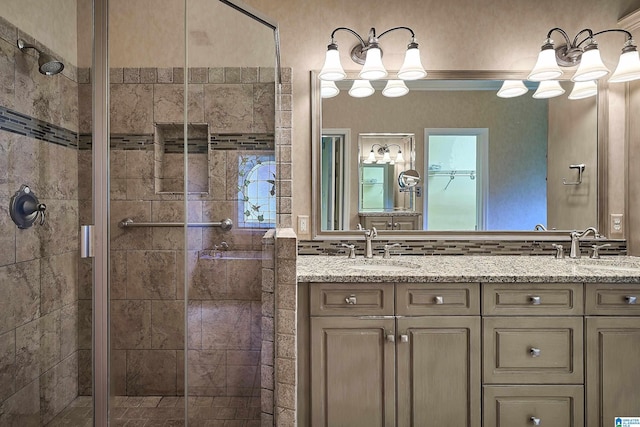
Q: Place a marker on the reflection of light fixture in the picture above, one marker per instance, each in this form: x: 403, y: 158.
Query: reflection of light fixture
x: 512, y: 88
x: 369, y: 53
x: 383, y: 150
x: 583, y: 90
x: 361, y: 89
x: 548, y: 89
x: 395, y: 88
x: 588, y: 58
x: 328, y: 89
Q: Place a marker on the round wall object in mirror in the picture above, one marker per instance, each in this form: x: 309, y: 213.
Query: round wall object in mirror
x: 409, y: 178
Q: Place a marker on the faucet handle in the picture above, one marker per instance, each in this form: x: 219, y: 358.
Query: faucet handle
x: 359, y: 227
x: 559, y: 251
x: 374, y: 232
x: 352, y: 250
x: 387, y: 247
x: 595, y: 254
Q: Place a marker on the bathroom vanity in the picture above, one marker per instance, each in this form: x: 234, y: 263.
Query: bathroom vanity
x: 468, y: 341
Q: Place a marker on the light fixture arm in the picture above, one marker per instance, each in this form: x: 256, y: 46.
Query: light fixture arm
x: 360, y: 39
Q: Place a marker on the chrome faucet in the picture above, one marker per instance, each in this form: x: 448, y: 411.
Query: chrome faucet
x: 369, y: 235
x: 575, y: 240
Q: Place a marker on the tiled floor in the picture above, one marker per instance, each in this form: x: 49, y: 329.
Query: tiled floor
x: 152, y: 411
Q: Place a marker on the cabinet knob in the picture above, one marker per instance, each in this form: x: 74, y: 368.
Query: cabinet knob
x: 535, y: 352
x: 439, y: 300
x: 535, y: 421
x: 630, y: 299
x: 351, y: 299
x: 391, y: 338
x: 404, y: 338
x: 536, y: 300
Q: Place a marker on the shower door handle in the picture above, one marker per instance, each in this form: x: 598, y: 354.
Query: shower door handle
x: 86, y: 241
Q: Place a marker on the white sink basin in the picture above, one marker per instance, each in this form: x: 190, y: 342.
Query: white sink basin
x: 608, y: 265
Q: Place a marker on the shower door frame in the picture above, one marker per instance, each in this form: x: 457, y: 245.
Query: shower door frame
x: 100, y: 166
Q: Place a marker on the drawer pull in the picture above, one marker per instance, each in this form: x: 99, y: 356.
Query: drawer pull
x: 391, y: 338
x: 439, y: 300
x: 351, y: 300
x: 536, y: 300
x: 535, y: 352
x: 535, y: 421
x: 404, y: 338
x: 630, y: 299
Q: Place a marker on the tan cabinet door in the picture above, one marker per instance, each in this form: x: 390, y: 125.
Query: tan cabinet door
x: 613, y: 369
x: 352, y: 372
x: 439, y: 371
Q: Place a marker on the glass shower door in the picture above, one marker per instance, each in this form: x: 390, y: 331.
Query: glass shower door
x: 232, y: 92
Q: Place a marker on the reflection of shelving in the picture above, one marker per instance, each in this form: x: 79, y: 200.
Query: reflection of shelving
x: 453, y: 172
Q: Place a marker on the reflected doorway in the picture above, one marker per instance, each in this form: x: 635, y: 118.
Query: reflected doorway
x: 456, y: 167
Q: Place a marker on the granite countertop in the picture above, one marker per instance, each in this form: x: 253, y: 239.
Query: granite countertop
x: 523, y: 269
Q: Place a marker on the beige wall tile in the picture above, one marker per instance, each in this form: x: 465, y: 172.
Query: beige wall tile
x: 130, y: 324
x: 226, y: 324
x: 84, y: 324
x: 7, y: 364
x: 229, y: 108
x: 68, y: 330
x: 27, y: 353
x: 263, y: 107
x: 168, y: 105
x: 20, y: 297
x: 131, y: 108
x: 119, y: 372
x: 50, y: 342
x: 151, y: 275
x: 207, y: 372
x: 7, y: 73
x: 58, y: 281
x: 23, y: 408
x: 59, y: 387
x: 85, y: 375
x: 167, y: 325
x: 151, y: 372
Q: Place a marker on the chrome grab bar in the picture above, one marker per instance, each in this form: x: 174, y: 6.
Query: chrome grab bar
x: 225, y: 224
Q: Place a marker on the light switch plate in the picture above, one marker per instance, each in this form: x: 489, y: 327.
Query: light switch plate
x: 303, y: 224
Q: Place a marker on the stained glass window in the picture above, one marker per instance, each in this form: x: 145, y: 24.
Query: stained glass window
x: 256, y: 191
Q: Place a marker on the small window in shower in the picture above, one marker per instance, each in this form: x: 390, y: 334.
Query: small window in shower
x: 256, y: 191
x: 169, y: 158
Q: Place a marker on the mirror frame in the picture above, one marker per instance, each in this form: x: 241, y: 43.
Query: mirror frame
x: 316, y: 135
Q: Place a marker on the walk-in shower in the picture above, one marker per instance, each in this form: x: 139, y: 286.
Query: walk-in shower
x: 173, y: 136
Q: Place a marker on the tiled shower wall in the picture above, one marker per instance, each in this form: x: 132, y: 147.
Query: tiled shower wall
x: 147, y: 295
x: 38, y: 269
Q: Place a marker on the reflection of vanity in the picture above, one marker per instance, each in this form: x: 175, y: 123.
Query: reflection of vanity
x: 392, y: 220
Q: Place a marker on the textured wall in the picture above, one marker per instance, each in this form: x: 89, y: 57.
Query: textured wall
x: 38, y: 269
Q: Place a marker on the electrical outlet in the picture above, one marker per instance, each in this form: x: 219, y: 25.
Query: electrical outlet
x: 303, y: 224
x: 616, y: 226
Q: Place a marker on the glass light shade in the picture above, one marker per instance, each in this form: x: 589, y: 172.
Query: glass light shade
x: 373, y: 68
x: 591, y: 67
x: 548, y: 89
x: 361, y: 89
x: 583, y: 90
x: 328, y: 89
x: 412, y: 68
x: 546, y: 67
x: 628, y: 68
x: 371, y: 158
x: 395, y: 88
x: 512, y: 88
x: 400, y: 157
x: 332, y: 68
x: 386, y: 158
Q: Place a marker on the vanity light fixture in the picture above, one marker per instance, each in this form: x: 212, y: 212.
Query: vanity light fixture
x: 369, y: 54
x: 548, y: 89
x: 583, y: 90
x: 383, y: 150
x: 328, y: 89
x: 590, y: 65
x: 512, y: 88
x: 361, y: 89
x: 395, y: 88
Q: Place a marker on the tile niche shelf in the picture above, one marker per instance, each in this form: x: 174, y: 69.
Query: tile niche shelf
x: 169, y: 157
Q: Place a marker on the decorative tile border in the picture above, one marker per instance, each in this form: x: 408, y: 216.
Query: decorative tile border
x: 453, y: 247
x: 196, y: 75
x: 21, y: 124
x: 243, y: 141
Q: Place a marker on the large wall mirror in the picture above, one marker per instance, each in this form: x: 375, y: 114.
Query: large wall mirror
x: 485, y: 164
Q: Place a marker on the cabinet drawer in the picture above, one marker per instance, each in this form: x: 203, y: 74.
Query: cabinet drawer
x: 523, y: 406
x: 351, y: 299
x: 613, y: 299
x: 533, y: 350
x: 547, y: 299
x: 423, y: 299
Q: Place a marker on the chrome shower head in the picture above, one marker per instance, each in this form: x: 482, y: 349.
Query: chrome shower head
x: 47, y: 64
